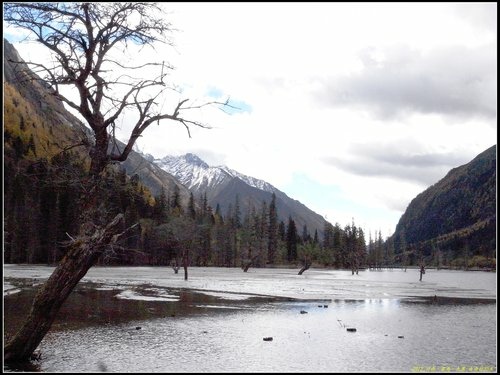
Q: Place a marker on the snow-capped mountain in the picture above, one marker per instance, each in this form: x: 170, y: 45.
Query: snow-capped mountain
x: 198, y: 176
x: 223, y: 186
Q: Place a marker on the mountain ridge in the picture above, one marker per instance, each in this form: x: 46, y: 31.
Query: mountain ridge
x: 67, y: 130
x: 196, y: 174
x: 223, y: 185
x: 23, y: 86
x: 457, y: 212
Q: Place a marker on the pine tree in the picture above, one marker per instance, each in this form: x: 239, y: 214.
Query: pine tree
x: 191, y: 207
x: 282, y: 231
x: 403, y: 249
x: 218, y: 215
x: 160, y: 208
x: 175, y: 202
x: 237, y: 213
x: 204, y: 204
x: 291, y: 240
x: 263, y: 234
x: 272, y: 245
x: 306, y: 237
x: 379, y: 246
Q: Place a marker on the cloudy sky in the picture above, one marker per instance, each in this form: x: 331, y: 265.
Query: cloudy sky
x: 352, y: 109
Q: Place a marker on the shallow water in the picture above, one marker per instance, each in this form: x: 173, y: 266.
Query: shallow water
x: 216, y: 321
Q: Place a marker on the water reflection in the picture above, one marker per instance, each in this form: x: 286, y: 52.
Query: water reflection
x: 211, y: 330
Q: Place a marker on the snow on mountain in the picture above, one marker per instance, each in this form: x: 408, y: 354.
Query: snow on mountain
x: 252, y: 181
x: 222, y: 186
x: 197, y: 175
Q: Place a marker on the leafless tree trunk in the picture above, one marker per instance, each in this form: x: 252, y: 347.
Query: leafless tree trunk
x: 75, y: 264
x: 175, y: 266
x: 185, y: 262
x: 305, y: 267
x: 249, y: 263
x: 80, y: 37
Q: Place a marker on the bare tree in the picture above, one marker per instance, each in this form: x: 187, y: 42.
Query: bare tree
x: 248, y: 262
x: 84, y: 39
x: 305, y: 265
x: 183, y: 232
x: 306, y: 254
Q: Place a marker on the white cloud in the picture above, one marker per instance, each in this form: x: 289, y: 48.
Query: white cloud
x: 284, y: 60
x: 454, y: 81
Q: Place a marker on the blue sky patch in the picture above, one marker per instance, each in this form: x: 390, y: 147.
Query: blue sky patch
x: 234, y: 106
x: 214, y: 92
x: 237, y: 106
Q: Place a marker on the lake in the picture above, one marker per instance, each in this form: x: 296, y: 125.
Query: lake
x: 148, y: 319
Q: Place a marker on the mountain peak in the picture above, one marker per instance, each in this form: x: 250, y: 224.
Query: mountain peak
x: 194, y: 159
x: 221, y: 185
x: 195, y: 174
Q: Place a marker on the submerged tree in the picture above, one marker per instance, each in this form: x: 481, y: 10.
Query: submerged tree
x: 306, y: 253
x: 86, y: 41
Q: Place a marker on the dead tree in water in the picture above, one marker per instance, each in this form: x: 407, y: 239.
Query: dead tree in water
x: 246, y: 264
x: 305, y: 267
x: 175, y: 265
x: 422, y: 270
x: 306, y: 252
x: 185, y: 262
x: 83, y: 39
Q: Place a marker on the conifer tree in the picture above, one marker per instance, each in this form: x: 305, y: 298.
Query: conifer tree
x: 237, y: 213
x: 160, y: 209
x: 175, y: 202
x: 191, y: 207
x: 272, y: 246
x: 83, y: 39
x: 291, y: 240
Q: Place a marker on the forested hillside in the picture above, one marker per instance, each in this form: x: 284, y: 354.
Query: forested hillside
x: 223, y: 186
x: 46, y: 158
x: 455, y: 219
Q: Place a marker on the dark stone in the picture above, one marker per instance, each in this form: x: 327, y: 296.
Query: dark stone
x: 303, y: 312
x: 401, y: 337
x: 36, y: 355
x: 351, y: 329
x: 267, y: 339
x: 138, y: 328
